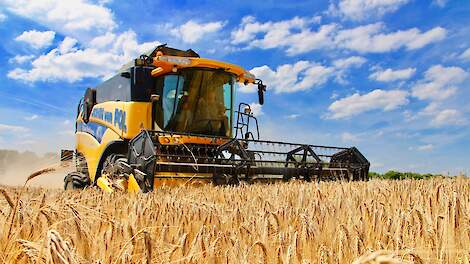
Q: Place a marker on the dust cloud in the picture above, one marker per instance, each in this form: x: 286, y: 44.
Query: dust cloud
x: 16, y: 167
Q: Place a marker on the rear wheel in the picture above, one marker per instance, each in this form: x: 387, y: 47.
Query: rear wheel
x: 76, y: 181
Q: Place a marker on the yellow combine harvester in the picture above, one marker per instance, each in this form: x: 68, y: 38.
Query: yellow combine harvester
x: 169, y: 117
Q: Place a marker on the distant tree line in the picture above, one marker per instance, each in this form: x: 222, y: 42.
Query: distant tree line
x: 395, y: 175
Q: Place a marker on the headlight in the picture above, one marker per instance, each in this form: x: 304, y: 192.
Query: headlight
x: 175, y: 60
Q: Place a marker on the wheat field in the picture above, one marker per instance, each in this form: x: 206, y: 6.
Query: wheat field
x: 410, y: 221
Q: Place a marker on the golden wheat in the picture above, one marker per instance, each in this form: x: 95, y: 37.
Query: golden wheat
x: 425, y: 221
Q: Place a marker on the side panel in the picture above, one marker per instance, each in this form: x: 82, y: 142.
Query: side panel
x: 92, y: 146
x: 110, y: 122
x: 137, y: 116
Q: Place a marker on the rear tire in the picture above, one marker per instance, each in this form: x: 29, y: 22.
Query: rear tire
x: 75, y: 181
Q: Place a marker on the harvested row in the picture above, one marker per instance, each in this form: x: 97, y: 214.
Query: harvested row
x: 425, y: 221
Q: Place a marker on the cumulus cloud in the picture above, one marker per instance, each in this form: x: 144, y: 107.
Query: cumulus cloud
x: 297, y: 36
x: 20, y: 59
x: 90, y: 49
x: 70, y: 63
x: 288, y: 78
x: 465, y: 55
x: 37, y: 39
x: 375, y: 100
x: 363, y: 9
x: 294, y: 34
x: 448, y: 117
x: 440, y: 115
x: 343, y: 65
x: 191, y: 31
x: 390, y: 75
x: 72, y: 17
x: 302, y: 75
x: 371, y: 39
x: 439, y: 83
x: 353, y: 61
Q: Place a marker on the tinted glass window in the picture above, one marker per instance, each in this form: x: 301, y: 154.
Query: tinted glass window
x: 172, y: 87
x: 198, y: 101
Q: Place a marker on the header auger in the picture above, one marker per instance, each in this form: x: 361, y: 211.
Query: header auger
x: 169, y: 118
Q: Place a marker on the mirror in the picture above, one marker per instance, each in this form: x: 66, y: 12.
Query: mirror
x: 89, y: 100
x: 126, y: 75
x: 261, y: 90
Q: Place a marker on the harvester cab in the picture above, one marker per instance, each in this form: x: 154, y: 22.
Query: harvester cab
x: 169, y: 117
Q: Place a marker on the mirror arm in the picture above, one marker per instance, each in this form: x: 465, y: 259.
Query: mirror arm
x: 261, y: 90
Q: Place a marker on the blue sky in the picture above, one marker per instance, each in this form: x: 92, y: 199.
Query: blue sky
x: 389, y: 77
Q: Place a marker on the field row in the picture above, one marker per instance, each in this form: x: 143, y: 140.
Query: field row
x: 416, y: 221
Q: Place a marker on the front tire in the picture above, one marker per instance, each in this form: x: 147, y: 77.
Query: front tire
x: 75, y: 181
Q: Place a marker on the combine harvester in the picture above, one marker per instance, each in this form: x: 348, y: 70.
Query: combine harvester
x: 169, y: 118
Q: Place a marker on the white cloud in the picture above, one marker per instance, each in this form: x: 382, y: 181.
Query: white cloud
x: 256, y: 109
x: 440, y: 3
x: 362, y: 9
x: 371, y: 39
x: 427, y: 147
x: 20, y: 59
x: 288, y: 78
x: 3, y: 17
x: 354, y: 61
x: 37, y: 39
x: 442, y: 116
x: 297, y: 36
x: 73, y: 17
x: 68, y: 45
x: 303, y: 75
x: 69, y: 63
x: 465, y: 55
x: 292, y: 116
x: 12, y: 129
x: 342, y: 66
x: 191, y: 31
x: 448, y: 117
x: 439, y: 83
x: 103, y: 41
x: 31, y: 118
x: 294, y: 34
x: 375, y: 100
x: 390, y: 75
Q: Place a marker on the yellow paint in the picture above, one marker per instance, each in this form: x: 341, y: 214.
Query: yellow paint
x: 104, y: 184
x: 164, y: 67
x: 138, y: 117
x: 132, y: 185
